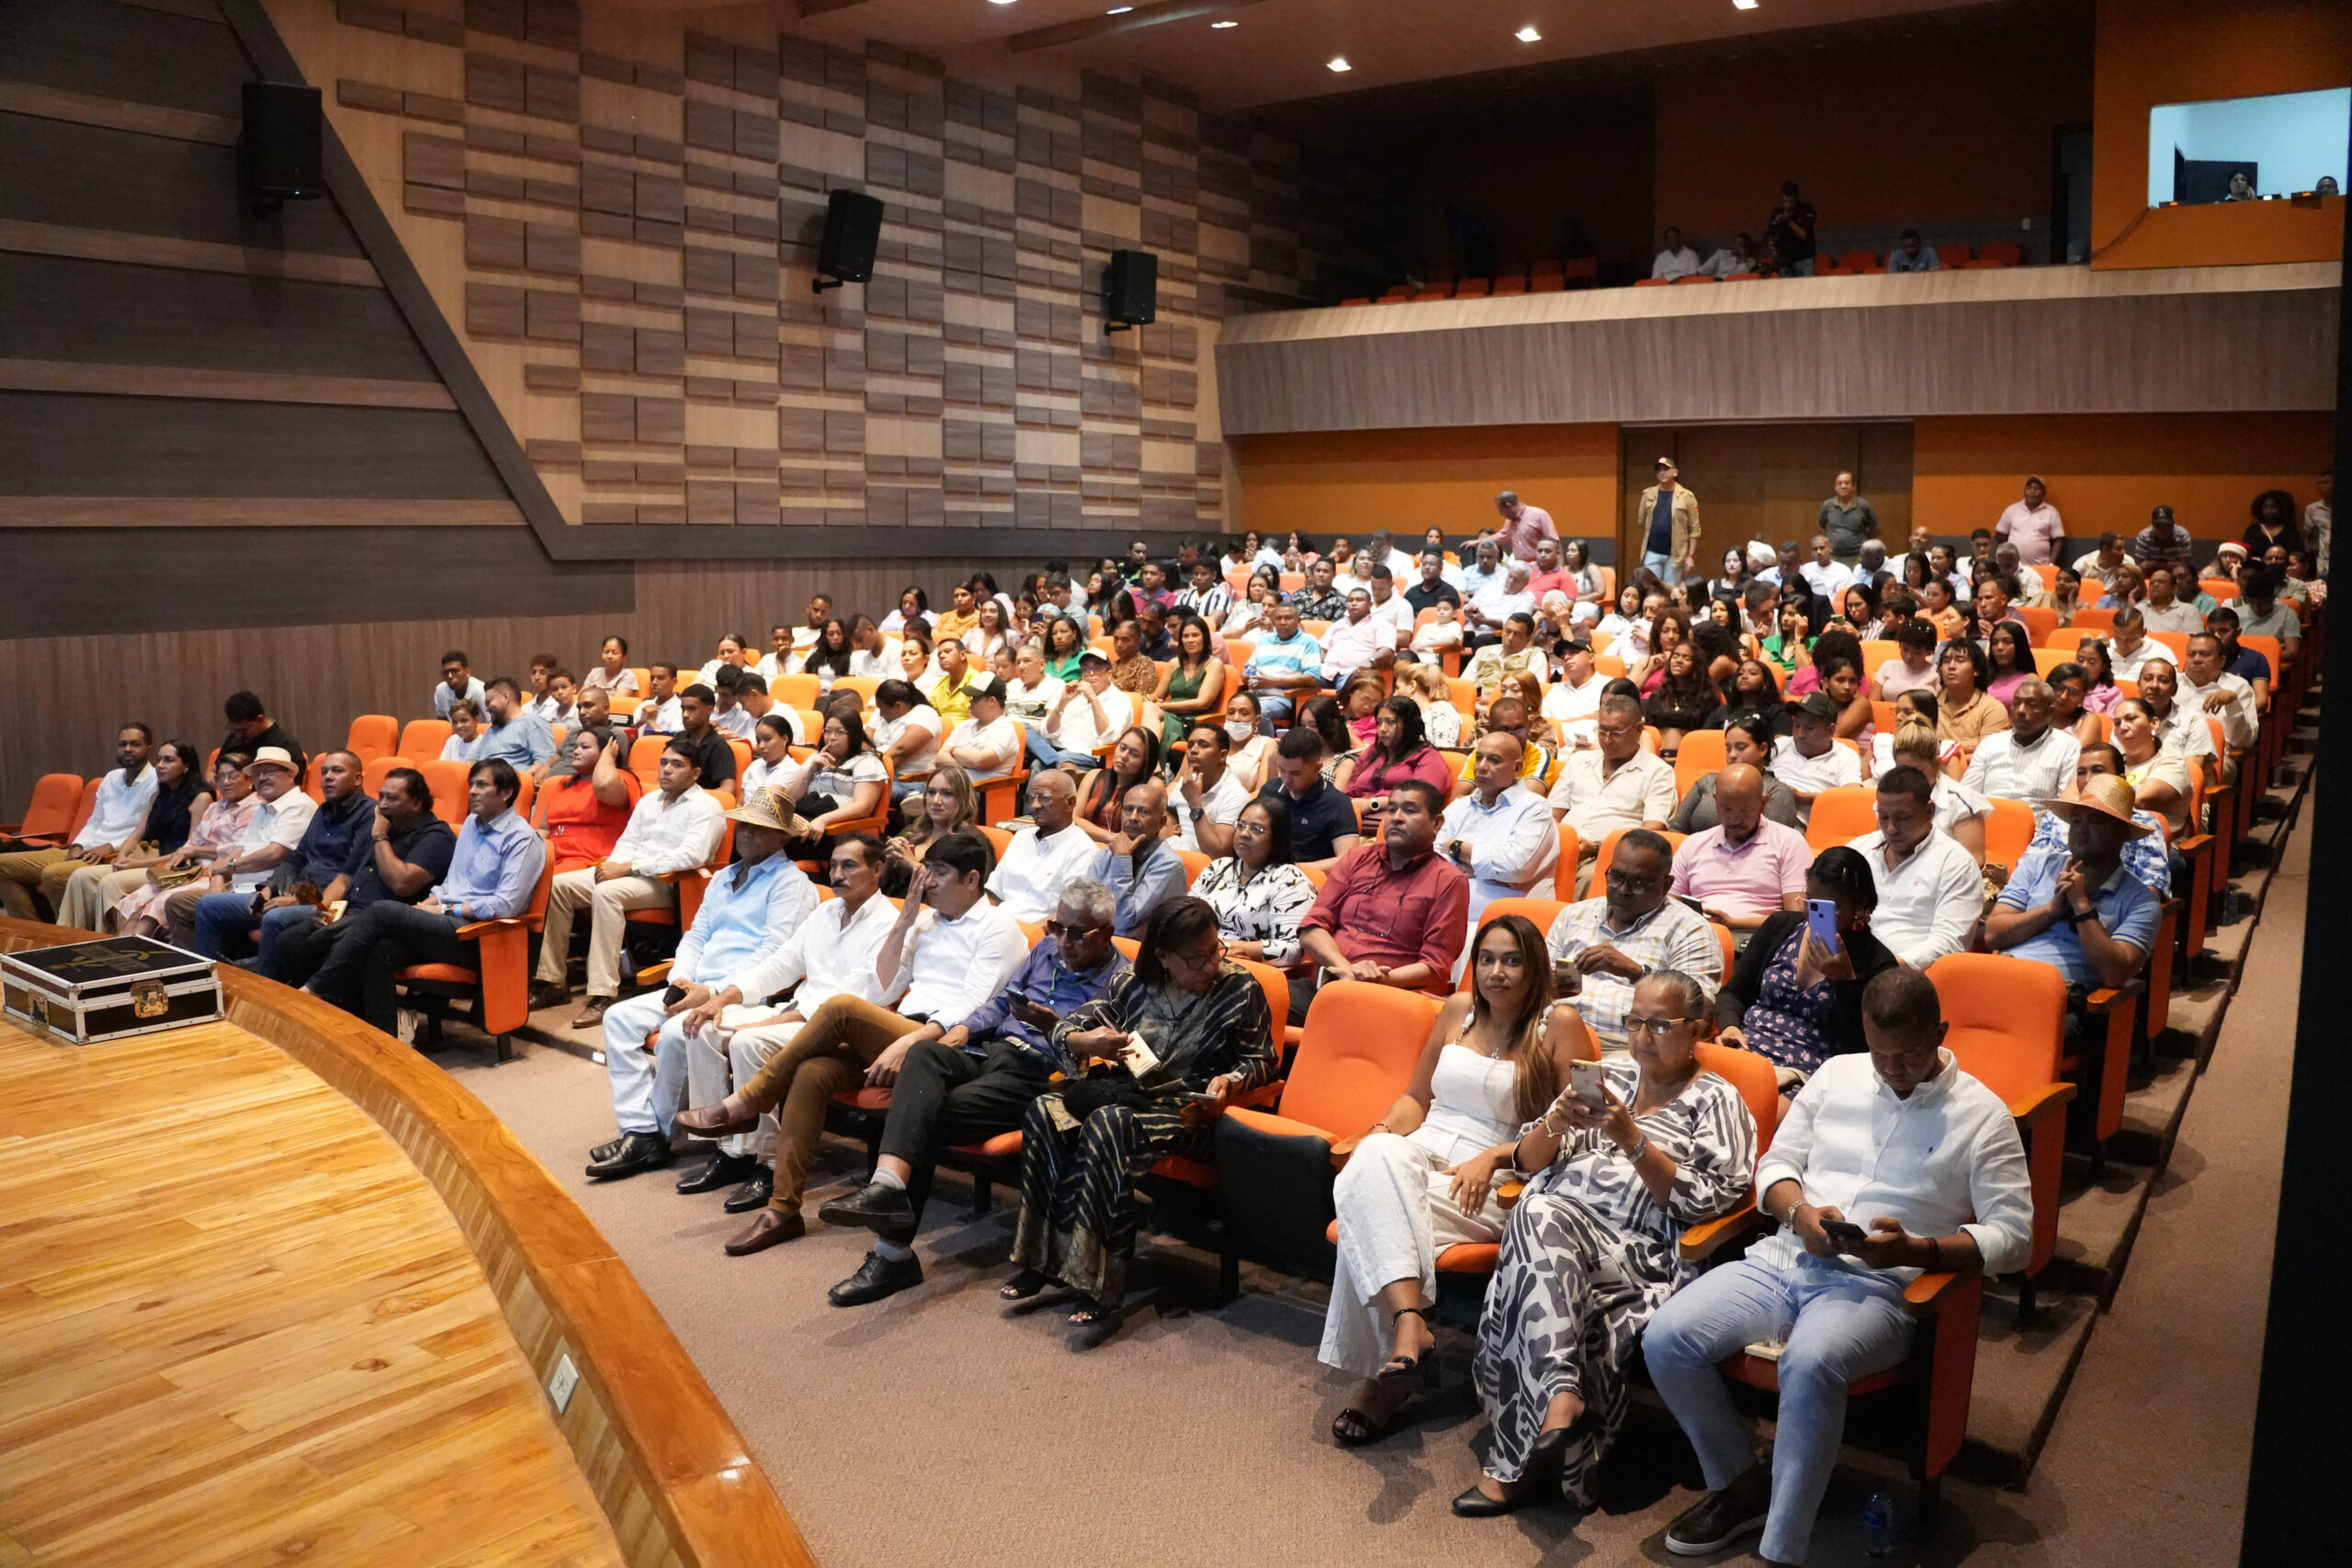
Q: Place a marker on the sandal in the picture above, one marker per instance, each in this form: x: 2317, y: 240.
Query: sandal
x: 1024, y: 1285
x: 1352, y: 1429
x: 1089, y: 1315
x: 1424, y: 1365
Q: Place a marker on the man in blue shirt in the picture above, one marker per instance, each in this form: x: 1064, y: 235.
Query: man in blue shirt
x: 225, y: 921
x: 515, y: 734
x: 1322, y: 820
x: 1282, y: 668
x: 492, y: 875
x: 975, y: 1082
x: 2144, y: 857
x: 2077, y: 909
x: 752, y: 910
x: 1140, y: 867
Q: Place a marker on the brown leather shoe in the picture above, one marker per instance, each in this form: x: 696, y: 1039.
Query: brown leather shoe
x: 710, y: 1121
x: 769, y: 1228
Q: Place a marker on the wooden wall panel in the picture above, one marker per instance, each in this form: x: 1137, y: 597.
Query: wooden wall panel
x: 111, y: 51
x: 1767, y: 481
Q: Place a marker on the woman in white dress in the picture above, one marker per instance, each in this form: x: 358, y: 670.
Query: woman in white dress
x: 1423, y: 1178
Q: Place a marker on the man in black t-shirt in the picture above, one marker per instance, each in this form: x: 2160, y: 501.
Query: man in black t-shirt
x: 1790, y: 231
x: 1322, y: 820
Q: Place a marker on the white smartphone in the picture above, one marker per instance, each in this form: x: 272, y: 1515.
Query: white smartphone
x: 1584, y: 1080
x: 1140, y: 1057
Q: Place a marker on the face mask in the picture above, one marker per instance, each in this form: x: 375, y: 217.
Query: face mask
x: 1240, y: 729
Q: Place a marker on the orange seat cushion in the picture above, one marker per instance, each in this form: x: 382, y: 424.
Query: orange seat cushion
x: 1190, y: 1172
x: 1002, y: 1147
x: 1757, y: 1372
x: 653, y: 917
x: 447, y: 974
x: 865, y: 1099
x: 1469, y: 1257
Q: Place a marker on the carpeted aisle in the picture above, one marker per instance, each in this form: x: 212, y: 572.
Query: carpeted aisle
x: 936, y: 1428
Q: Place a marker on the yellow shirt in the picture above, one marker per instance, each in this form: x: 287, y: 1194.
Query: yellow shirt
x: 953, y: 701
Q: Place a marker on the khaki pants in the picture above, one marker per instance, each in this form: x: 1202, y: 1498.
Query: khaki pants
x: 825, y: 1055
x: 28, y: 869
x: 91, y: 891
x: 609, y: 904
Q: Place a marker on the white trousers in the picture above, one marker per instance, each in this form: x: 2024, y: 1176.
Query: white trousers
x: 749, y: 1050
x: 1396, y: 1214
x: 647, y: 1091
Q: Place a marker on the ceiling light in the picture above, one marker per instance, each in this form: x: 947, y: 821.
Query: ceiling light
x: 1527, y: 34
x: 1225, y: 24
x: 1745, y: 5
x: 1119, y: 10
x: 1339, y: 62
x: 999, y: 1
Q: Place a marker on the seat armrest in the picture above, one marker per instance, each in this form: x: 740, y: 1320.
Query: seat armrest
x: 1924, y: 1295
x: 1703, y: 1240
x: 654, y: 974
x: 473, y: 931
x: 671, y: 878
x: 1264, y: 1097
x: 2051, y: 1098
x: 2109, y: 1000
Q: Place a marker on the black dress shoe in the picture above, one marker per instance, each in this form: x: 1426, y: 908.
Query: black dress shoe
x: 638, y: 1152
x: 876, y: 1278
x: 717, y: 1171
x: 603, y: 1151
x: 1544, y: 1461
x: 877, y: 1207
x: 757, y: 1189
x: 546, y: 994
x: 1721, y: 1517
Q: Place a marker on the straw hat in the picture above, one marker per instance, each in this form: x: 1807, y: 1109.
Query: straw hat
x: 272, y: 757
x: 2106, y: 794
x: 772, y: 809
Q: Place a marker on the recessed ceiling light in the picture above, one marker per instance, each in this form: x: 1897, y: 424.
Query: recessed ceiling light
x: 1745, y: 5
x: 999, y: 1
x: 1225, y: 24
x: 1527, y: 34
x: 1119, y: 10
x: 1339, y: 62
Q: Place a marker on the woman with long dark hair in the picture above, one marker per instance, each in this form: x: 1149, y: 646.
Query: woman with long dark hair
x: 1423, y: 1178
x: 828, y: 659
x: 2011, y: 654
x: 1135, y: 757
x: 1683, y: 700
x: 1193, y: 686
x: 2274, y: 524
x: 1399, y: 750
x: 1085, y: 1144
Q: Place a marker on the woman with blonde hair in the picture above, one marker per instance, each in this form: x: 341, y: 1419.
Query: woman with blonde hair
x: 1423, y: 1178
x: 949, y: 802
x: 1441, y: 721
x: 1961, y: 812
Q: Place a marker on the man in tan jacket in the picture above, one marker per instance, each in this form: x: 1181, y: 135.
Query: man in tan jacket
x: 1666, y: 522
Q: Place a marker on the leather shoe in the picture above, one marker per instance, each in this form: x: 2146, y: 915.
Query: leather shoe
x: 710, y: 1121
x: 593, y: 1014
x: 876, y: 1278
x: 768, y: 1229
x: 603, y: 1152
x: 638, y: 1152
x: 1721, y: 1517
x: 757, y: 1189
x: 878, y: 1207
x: 548, y: 994
x: 719, y: 1170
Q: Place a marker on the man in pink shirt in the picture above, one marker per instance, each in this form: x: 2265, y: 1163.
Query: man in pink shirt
x: 1522, y: 526
x: 1747, y: 868
x: 2032, y: 525
x: 1550, y: 577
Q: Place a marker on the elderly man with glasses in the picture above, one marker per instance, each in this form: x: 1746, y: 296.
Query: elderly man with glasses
x: 1601, y: 947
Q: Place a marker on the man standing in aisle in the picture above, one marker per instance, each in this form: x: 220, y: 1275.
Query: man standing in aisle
x: 1522, y: 526
x: 1667, y: 519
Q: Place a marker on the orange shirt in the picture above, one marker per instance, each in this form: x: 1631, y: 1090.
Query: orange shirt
x: 581, y: 828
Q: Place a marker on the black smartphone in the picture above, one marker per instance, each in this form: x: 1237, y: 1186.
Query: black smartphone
x: 1845, y: 1236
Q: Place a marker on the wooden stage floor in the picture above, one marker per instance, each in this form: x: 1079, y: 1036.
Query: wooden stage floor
x: 237, y: 1325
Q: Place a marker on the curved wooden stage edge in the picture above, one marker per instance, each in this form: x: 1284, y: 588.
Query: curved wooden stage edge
x: 223, y: 1420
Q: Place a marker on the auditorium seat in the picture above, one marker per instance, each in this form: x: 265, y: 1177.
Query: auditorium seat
x: 1857, y: 261
x: 498, y: 980
x: 1841, y: 815
x: 1540, y: 912
x: 1702, y: 753
x: 1651, y: 282
x: 1742, y: 276
x: 372, y: 735
x: 448, y: 782
x: 1698, y: 277
x: 421, y: 738
x: 50, y: 817
x: 2008, y: 252
x: 1953, y: 256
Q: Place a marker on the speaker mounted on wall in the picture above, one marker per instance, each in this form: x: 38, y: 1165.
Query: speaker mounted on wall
x: 1131, y: 291
x: 280, y: 154
x: 853, y: 234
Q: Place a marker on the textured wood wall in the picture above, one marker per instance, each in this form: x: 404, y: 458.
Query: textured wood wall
x: 621, y: 215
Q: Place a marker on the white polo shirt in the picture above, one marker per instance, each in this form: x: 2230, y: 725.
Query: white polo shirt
x: 1220, y: 804
x: 2005, y: 768
x: 1029, y: 880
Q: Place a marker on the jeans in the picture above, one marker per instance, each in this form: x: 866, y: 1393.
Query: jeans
x: 1669, y: 570
x: 647, y: 1091
x: 1839, y: 1323
x: 279, y: 927
x: 1798, y: 270
x: 223, y: 920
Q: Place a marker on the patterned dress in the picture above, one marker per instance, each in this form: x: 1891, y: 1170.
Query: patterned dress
x: 1588, y: 1258
x: 223, y: 828
x: 1078, y: 1177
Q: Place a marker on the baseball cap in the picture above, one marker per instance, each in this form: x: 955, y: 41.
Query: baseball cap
x: 1815, y: 704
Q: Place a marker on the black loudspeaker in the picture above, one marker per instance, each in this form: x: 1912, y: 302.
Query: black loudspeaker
x: 278, y: 151
x: 1131, y: 289
x: 853, y: 230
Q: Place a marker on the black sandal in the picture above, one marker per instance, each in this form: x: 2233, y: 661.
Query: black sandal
x: 1024, y: 1285
x: 1352, y: 1429
x: 1088, y: 1315
x: 1423, y: 1366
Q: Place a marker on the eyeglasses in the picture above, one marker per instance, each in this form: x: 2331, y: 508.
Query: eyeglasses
x: 1062, y: 930
x: 1635, y: 1024
x: 1620, y: 878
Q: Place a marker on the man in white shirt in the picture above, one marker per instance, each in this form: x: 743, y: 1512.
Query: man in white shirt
x: 828, y: 952
x: 275, y: 833
x: 1359, y: 641
x: 728, y: 714
x: 459, y: 683
x: 2128, y: 645
x: 1091, y: 713
x: 659, y: 714
x: 2207, y: 688
x: 1930, y: 891
x: 116, y: 816
x: 1614, y: 786
x: 1571, y: 703
x: 1207, y: 798
x: 1675, y: 257
x: 907, y: 732
x: 872, y: 656
x: 948, y: 952
x: 1824, y: 575
x: 754, y: 908
x: 1505, y: 840
x: 2183, y: 730
x: 1390, y: 606
x: 1486, y: 611
x: 2032, y: 525
x: 2029, y: 760
x: 1485, y: 570
x: 986, y: 746
x: 1926, y: 1161
x: 1043, y: 860
x: 1808, y: 758
x: 673, y: 829
x: 2166, y: 611
x: 2106, y: 562
x: 1029, y: 697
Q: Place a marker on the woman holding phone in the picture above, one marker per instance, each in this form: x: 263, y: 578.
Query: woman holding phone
x: 1592, y: 1250
x: 1795, y: 996
x: 1423, y: 1178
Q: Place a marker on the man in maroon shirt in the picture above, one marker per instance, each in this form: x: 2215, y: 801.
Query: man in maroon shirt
x: 1394, y: 913
x: 1550, y: 576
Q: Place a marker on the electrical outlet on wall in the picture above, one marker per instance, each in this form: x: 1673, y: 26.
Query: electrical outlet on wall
x: 561, y: 1382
